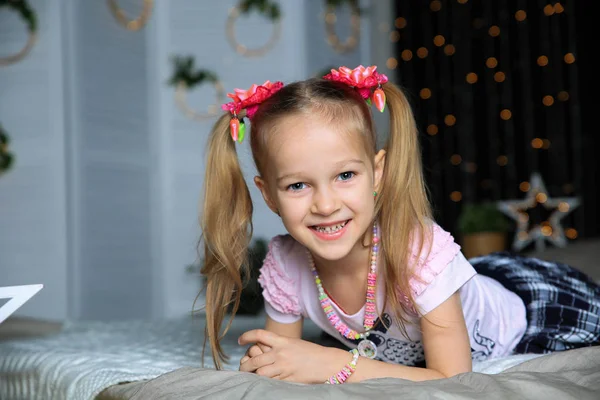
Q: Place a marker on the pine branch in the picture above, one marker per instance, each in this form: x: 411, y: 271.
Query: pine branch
x: 25, y: 10
x: 186, y: 72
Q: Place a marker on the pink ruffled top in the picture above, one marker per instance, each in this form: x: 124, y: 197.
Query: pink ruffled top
x: 495, y: 317
x: 280, y: 272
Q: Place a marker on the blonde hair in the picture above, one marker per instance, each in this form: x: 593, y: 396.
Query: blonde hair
x: 402, y: 207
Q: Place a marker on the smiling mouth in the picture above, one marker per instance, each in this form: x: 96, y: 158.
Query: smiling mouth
x: 330, y: 228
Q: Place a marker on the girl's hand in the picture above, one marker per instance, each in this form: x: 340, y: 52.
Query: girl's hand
x: 253, y: 351
x: 291, y: 359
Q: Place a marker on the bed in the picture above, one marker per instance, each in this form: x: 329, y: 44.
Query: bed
x: 161, y: 359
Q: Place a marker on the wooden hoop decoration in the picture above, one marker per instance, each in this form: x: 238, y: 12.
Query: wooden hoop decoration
x: 181, y: 90
x: 234, y: 14
x: 31, y: 41
x: 351, y: 41
x: 131, y: 24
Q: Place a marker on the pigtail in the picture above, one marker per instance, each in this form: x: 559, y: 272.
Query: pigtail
x: 402, y: 204
x: 226, y: 230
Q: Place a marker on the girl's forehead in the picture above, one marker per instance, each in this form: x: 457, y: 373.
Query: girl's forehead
x: 313, y: 132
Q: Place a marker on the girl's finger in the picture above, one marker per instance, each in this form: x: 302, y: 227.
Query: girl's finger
x: 255, y: 351
x: 263, y: 347
x: 257, y: 362
x: 269, y: 371
x: 244, y: 359
x: 259, y: 336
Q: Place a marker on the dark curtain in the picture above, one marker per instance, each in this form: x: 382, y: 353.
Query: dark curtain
x: 501, y: 89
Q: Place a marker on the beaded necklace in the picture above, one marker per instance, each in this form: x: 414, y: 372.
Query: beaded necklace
x: 366, y: 348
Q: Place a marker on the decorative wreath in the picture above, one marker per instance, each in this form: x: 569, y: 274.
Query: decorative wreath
x: 134, y: 24
x: 185, y: 77
x: 330, y: 21
x: 267, y: 8
x: 29, y: 17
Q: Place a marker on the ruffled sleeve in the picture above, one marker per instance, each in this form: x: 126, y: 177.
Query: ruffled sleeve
x: 278, y: 279
x: 429, y: 264
x: 439, y: 272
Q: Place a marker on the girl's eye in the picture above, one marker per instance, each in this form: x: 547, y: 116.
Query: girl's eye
x: 344, y: 176
x: 296, y: 186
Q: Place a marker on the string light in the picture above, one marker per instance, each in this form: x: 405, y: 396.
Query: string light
x: 391, y: 63
x: 394, y: 36
x: 524, y: 186
x: 425, y: 93
x: 558, y: 8
x: 494, y: 31
x: 455, y: 159
x: 502, y: 161
x: 521, y: 15
x: 548, y: 100
x: 449, y: 49
x: 435, y: 5
x: 462, y: 1
x: 563, y: 95
x: 563, y: 206
x: 546, y: 229
x: 471, y: 77
x: 422, y: 52
x: 400, y: 23
x: 407, y: 55
x: 541, y: 198
x: 491, y: 62
x: 548, y: 10
x: 505, y: 114
x: 537, y: 143
x: 542, y: 61
x: 456, y: 196
x: 450, y: 120
x: 499, y: 76
x: 439, y: 40
x: 569, y: 58
x: 432, y: 129
x: 571, y: 233
x: 471, y: 167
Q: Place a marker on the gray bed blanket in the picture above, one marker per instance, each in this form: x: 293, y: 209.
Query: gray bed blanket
x: 573, y: 374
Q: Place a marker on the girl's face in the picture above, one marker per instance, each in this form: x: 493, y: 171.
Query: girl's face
x: 321, y: 182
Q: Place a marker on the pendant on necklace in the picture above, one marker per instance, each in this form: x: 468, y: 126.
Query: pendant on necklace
x: 366, y: 348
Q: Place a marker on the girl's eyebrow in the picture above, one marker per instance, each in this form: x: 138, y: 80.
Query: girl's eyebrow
x: 338, y: 165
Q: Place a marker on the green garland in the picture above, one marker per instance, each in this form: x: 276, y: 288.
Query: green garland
x: 269, y: 9
x: 185, y: 72
x: 341, y: 3
x: 25, y: 10
x: 6, y: 158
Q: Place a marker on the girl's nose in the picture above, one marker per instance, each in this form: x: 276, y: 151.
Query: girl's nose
x: 325, y: 202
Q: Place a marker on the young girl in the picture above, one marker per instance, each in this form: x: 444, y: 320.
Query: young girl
x: 364, y: 259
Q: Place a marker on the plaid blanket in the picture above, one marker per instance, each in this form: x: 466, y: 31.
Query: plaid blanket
x: 563, y: 304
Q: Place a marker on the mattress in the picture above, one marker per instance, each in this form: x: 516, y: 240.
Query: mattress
x: 87, y: 357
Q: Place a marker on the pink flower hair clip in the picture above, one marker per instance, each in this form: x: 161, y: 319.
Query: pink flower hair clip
x: 249, y: 100
x: 363, y: 80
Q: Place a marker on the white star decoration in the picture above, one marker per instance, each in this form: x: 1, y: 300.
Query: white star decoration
x: 550, y: 230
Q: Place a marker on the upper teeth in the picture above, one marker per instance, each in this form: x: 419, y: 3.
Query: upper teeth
x: 329, y: 229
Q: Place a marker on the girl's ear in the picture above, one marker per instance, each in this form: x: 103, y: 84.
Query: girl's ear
x: 262, y: 186
x: 379, y: 166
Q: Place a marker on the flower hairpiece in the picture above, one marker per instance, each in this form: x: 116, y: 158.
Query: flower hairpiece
x: 363, y: 80
x: 249, y: 100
